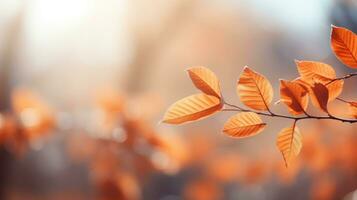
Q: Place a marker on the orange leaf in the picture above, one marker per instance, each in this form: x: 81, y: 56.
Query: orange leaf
x: 320, y: 96
x: 289, y: 143
x: 35, y: 115
x: 244, y: 124
x: 294, y: 96
x: 254, y: 90
x: 192, y: 108
x: 205, y: 80
x: 302, y: 83
x: 353, y: 109
x: 334, y: 89
x: 344, y: 45
x: 310, y: 71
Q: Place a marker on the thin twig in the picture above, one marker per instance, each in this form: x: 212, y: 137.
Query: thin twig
x: 343, y: 78
x: 342, y: 100
x: 329, y: 117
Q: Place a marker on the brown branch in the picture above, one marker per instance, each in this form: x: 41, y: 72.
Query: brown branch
x: 271, y: 114
x: 342, y: 100
x: 343, y: 78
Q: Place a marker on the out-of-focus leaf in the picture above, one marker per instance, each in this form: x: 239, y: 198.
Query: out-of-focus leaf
x: 205, y: 80
x: 344, y: 45
x: 225, y: 167
x: 36, y: 117
x: 202, y: 188
x: 255, y: 172
x: 289, y: 143
x: 244, y: 125
x: 294, y: 96
x: 192, y: 108
x: 323, y: 188
x: 254, y: 90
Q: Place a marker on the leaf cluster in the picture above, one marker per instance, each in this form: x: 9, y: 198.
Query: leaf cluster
x: 317, y: 83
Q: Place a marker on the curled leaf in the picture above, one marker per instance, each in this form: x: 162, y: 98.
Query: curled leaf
x: 344, y: 45
x: 205, y: 80
x: 244, y: 124
x: 289, y: 143
x: 320, y: 96
x: 192, y: 108
x: 254, y: 90
x: 294, y: 96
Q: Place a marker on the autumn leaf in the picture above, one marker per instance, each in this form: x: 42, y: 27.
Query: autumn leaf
x: 244, y: 124
x: 205, y: 80
x: 254, y: 90
x: 353, y: 109
x: 344, y: 45
x: 319, y: 96
x: 192, y: 108
x: 324, y: 188
x: 289, y: 143
x: 334, y: 88
x: 294, y: 96
x: 310, y: 71
x: 28, y: 106
x: 302, y: 83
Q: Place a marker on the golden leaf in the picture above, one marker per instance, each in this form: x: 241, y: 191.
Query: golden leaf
x: 36, y: 116
x: 289, y: 143
x: 344, y: 45
x: 254, y: 90
x: 192, y: 108
x: 353, y: 109
x: 310, y: 71
x: 319, y: 96
x: 334, y: 89
x: 205, y: 80
x: 294, y: 96
x: 244, y: 124
x: 302, y: 83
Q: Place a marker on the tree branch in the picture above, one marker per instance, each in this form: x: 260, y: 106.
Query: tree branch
x: 343, y: 78
x: 271, y: 114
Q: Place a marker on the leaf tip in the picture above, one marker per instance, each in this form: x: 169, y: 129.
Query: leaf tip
x: 246, y: 68
x: 159, y: 123
x: 193, y: 68
x: 282, y: 80
x: 189, y: 69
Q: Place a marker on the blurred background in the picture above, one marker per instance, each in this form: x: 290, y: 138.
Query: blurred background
x: 84, y: 83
